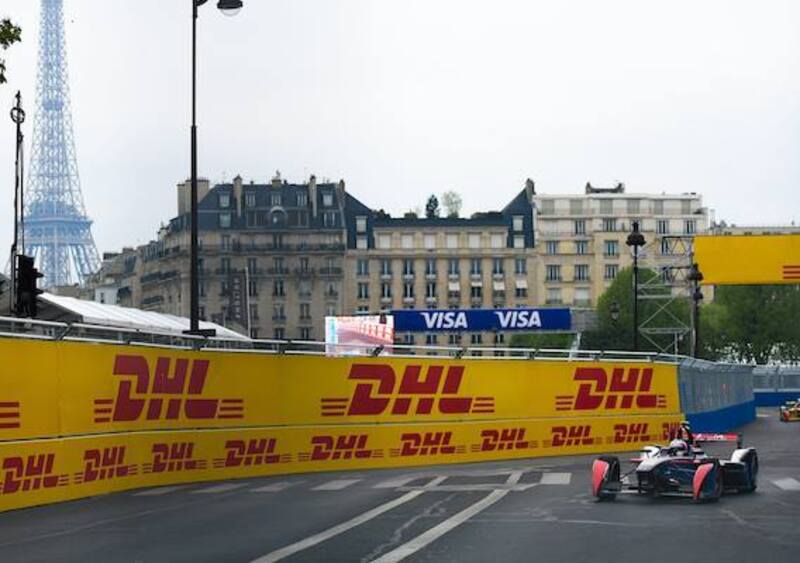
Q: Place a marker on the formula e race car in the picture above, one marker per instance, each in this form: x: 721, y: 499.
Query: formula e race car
x: 679, y: 469
x: 790, y: 412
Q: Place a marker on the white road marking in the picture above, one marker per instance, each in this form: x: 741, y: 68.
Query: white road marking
x: 765, y: 415
x: 159, y: 491
x: 275, y: 487
x: 394, y: 483
x: 626, y: 480
x: 555, y: 479
x: 426, y: 538
x: 311, y: 541
x: 336, y: 485
x: 223, y: 488
x: 787, y: 484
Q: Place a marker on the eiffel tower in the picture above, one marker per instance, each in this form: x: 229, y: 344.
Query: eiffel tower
x: 57, y: 231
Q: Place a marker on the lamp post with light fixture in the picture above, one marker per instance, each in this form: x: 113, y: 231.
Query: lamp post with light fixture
x: 635, y: 239
x: 229, y: 8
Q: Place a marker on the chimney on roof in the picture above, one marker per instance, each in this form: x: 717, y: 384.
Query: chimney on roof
x: 312, y: 194
x: 276, y: 180
x: 620, y: 188
x: 588, y: 187
x: 184, y: 194
x: 237, y: 194
x: 530, y: 190
x: 340, y: 193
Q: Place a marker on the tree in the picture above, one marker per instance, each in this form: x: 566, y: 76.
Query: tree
x: 9, y: 34
x: 617, y: 333
x: 432, y: 207
x: 452, y: 203
x: 542, y: 340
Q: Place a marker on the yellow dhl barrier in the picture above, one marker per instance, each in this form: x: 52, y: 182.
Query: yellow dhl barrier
x: 748, y: 259
x: 36, y: 472
x: 50, y: 389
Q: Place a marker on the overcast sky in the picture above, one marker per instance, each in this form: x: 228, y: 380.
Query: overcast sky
x: 407, y: 98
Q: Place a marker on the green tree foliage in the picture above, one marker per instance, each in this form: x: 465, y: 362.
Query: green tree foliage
x: 452, y: 203
x: 542, y: 340
x: 617, y: 334
x: 9, y: 34
x: 432, y: 207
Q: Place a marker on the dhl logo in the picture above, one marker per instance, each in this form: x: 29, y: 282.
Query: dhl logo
x: 379, y: 390
x: 177, y: 456
x: 9, y: 414
x: 626, y: 433
x: 669, y: 430
x: 577, y: 435
x: 167, y: 395
x: 628, y: 387
x: 503, y: 439
x: 257, y: 451
x: 105, y: 463
x: 31, y: 473
x: 426, y: 443
x: 347, y: 446
x: 791, y: 272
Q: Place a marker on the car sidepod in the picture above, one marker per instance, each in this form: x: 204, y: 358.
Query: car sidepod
x: 707, y: 481
x: 605, y: 478
x: 741, y: 472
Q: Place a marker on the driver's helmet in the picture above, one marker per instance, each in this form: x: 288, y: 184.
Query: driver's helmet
x: 680, y: 447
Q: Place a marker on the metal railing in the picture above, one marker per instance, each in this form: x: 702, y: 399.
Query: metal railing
x: 11, y: 327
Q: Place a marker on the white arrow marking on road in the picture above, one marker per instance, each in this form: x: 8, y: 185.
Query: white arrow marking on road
x: 336, y: 485
x: 787, y: 484
x: 394, y: 483
x: 223, y: 488
x: 275, y: 487
x: 411, y: 547
x: 311, y: 541
x: 555, y: 479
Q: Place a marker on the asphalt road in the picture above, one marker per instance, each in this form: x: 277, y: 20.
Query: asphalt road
x: 534, y: 510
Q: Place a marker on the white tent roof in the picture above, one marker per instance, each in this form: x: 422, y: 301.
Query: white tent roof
x: 91, y: 312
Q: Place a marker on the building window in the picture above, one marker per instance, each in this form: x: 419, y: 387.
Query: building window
x: 520, y: 265
x: 634, y: 206
x: 250, y: 199
x: 581, y: 297
x: 407, y: 242
x: 224, y: 220
x: 686, y: 207
x: 521, y: 292
x: 279, y: 333
x: 452, y: 267
x: 278, y: 313
x: 408, y: 291
x: 305, y: 333
x: 553, y: 296
x: 430, y: 242
x: 576, y: 207
x: 581, y: 272
x: 662, y: 227
x: 408, y: 339
x: 201, y: 288
x: 361, y: 224
x: 551, y: 247
x: 497, y: 265
x: 361, y: 242
x: 431, y: 339
x: 474, y: 240
x: 304, y: 264
x: 497, y: 240
x: 665, y: 246
x: 611, y: 271
x: 548, y: 207
x: 452, y: 241
x: 331, y: 290
x: 408, y: 267
x: 519, y: 241
x: 430, y: 267
x: 454, y: 339
x: 609, y: 225
x: 658, y: 207
x: 305, y: 311
x: 329, y: 219
x: 201, y: 312
x: 363, y: 291
x: 581, y: 247
x: 277, y: 288
x: 475, y: 266
x: 225, y: 265
x: 476, y: 338
x: 252, y: 265
x: 327, y: 199
x: 386, y: 290
x: 579, y: 227
x: 611, y: 248
x: 304, y: 289
x: 224, y: 200
x: 476, y: 292
x: 386, y: 267
x: 362, y: 310
x: 253, y: 312
x: 252, y: 288
x: 430, y: 290
x: 606, y: 206
x: 362, y: 267
x: 553, y: 272
x: 302, y: 199
x: 384, y: 241
x: 689, y: 227
x: 275, y: 200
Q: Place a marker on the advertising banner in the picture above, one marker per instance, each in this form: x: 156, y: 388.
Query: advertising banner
x: 748, y: 259
x: 474, y: 320
x: 358, y: 335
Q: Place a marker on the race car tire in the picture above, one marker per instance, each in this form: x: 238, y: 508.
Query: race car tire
x: 605, y: 471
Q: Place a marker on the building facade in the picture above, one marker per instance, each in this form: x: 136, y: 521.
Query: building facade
x: 277, y: 258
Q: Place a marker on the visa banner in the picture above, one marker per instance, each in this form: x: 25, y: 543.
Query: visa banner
x: 474, y: 320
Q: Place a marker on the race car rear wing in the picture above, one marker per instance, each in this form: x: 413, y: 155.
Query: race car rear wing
x: 727, y: 437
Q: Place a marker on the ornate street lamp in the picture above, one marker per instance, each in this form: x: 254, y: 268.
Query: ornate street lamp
x: 635, y: 240
x: 227, y: 7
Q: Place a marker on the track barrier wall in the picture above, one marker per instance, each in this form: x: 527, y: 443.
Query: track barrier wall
x: 716, y: 397
x: 774, y: 385
x: 79, y: 419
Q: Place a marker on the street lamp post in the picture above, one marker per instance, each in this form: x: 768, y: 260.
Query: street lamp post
x: 695, y: 276
x: 635, y: 239
x: 227, y: 7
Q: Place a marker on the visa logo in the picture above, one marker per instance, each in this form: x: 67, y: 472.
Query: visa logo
x: 519, y: 319
x: 445, y: 319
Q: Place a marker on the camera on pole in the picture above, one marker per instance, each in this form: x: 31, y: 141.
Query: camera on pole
x: 27, y: 292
